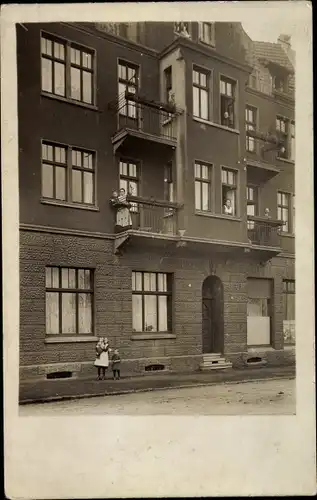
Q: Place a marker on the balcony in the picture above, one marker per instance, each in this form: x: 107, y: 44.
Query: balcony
x: 261, y: 161
x: 140, y: 121
x: 151, y: 223
x: 263, y: 234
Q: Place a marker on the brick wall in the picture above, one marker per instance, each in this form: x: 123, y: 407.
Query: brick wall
x: 113, y: 300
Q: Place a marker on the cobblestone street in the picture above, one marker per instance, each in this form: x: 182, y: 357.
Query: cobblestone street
x: 270, y: 397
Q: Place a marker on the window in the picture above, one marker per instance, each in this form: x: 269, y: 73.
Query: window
x: 128, y: 82
x: 69, y: 301
x: 250, y: 124
x: 252, y: 204
x: 129, y: 180
x: 227, y: 102
x: 289, y: 311
x: 67, y: 70
x: 151, y: 302
x: 201, y: 94
x: 169, y: 184
x: 282, y: 130
x: 254, y: 79
x: 229, y: 191
x: 207, y: 33
x: 283, y: 210
x: 168, y: 85
x: 202, y: 187
x: 68, y: 174
x: 292, y: 145
x: 280, y: 84
x: 259, y: 308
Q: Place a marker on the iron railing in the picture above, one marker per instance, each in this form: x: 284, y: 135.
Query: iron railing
x: 264, y: 232
x: 153, y: 216
x: 146, y: 116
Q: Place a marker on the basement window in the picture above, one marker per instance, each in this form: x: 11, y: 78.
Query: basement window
x: 57, y: 375
x: 154, y: 368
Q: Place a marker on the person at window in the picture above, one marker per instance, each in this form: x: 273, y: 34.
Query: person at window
x: 116, y: 362
x: 123, y: 217
x: 102, y: 357
x: 228, y: 209
x: 267, y: 213
x: 184, y: 31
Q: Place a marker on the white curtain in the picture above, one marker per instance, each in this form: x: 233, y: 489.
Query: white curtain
x: 68, y: 313
x: 52, y: 313
x: 84, y: 313
x: 137, y: 313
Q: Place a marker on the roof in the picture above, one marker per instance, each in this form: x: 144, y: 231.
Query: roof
x: 272, y: 52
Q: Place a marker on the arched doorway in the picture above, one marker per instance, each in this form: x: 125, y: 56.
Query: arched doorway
x: 212, y: 315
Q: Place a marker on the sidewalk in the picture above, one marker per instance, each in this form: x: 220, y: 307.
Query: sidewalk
x: 56, y: 390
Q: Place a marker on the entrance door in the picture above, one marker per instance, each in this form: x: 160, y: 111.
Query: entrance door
x: 212, y: 315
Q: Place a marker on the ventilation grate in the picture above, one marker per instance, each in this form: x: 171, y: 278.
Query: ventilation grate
x: 55, y: 375
x: 154, y: 368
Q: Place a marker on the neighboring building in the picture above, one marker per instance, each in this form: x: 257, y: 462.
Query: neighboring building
x: 196, y: 122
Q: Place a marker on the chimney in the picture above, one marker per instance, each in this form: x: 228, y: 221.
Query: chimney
x: 285, y: 42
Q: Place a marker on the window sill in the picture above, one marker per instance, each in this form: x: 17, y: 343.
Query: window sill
x: 289, y: 347
x: 260, y: 348
x: 217, y: 125
x: 59, y: 339
x: 153, y: 336
x: 218, y: 216
x: 206, y: 44
x: 287, y: 235
x: 286, y: 160
x: 92, y: 208
x: 92, y: 107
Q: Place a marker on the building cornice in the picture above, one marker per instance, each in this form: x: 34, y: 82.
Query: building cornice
x: 271, y: 98
x: 129, y: 44
x: 65, y: 231
x: 190, y: 44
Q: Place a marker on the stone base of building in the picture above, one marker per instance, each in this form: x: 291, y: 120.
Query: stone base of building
x: 256, y: 357
x: 148, y: 366
x: 129, y: 367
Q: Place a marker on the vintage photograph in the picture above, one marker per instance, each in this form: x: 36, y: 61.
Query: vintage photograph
x: 157, y: 219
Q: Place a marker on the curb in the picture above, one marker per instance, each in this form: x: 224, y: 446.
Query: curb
x: 52, y: 399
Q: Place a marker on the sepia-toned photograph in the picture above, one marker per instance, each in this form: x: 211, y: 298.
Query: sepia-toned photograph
x: 157, y: 218
x: 158, y: 329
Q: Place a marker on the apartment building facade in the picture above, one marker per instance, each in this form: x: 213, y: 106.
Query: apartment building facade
x: 202, y: 260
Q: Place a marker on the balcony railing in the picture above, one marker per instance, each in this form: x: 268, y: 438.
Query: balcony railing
x: 152, y: 216
x: 264, y: 231
x: 150, y: 121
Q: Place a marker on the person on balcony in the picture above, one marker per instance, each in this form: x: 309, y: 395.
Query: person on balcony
x: 267, y: 213
x: 123, y: 216
x: 228, y: 209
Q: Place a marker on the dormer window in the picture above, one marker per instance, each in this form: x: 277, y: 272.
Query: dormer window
x: 227, y: 102
x: 280, y: 84
x: 207, y: 33
x: 182, y: 29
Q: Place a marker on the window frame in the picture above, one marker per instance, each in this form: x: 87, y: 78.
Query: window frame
x: 69, y: 167
x: 121, y: 81
x: 227, y: 80
x: 285, y: 293
x: 287, y: 137
x: 235, y: 172
x: 201, y: 180
x: 60, y: 290
x: 254, y: 203
x: 212, y: 33
x: 288, y: 206
x: 68, y: 45
x: 169, y: 301
x: 248, y: 124
x: 201, y: 88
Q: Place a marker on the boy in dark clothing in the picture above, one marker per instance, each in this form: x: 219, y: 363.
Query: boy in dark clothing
x: 116, y: 361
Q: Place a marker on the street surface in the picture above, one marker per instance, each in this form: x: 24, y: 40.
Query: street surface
x: 269, y: 397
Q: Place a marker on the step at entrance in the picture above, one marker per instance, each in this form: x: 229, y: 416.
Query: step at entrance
x: 214, y: 361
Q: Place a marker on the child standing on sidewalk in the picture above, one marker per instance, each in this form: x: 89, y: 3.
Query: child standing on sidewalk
x: 116, y: 362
